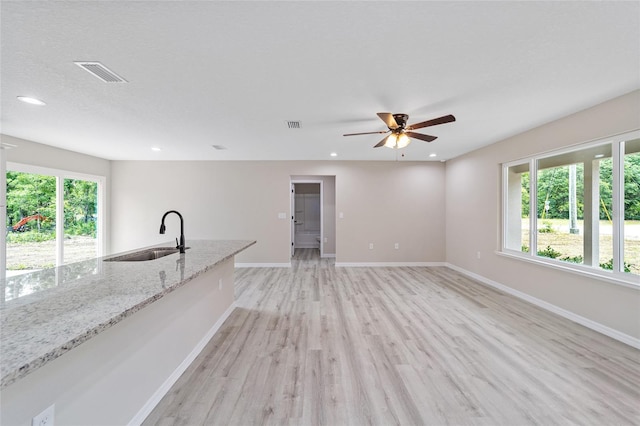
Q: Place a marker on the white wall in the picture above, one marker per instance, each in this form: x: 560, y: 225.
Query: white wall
x: 36, y: 154
x: 473, y: 218
x: 382, y: 203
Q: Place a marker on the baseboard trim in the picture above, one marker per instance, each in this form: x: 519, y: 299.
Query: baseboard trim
x: 173, y: 378
x: 328, y: 256
x: 593, y: 325
x: 385, y: 264
x: 263, y: 265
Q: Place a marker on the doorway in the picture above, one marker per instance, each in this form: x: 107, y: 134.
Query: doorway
x: 307, y: 215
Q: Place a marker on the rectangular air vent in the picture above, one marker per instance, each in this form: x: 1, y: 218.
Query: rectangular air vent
x: 219, y: 147
x: 293, y: 124
x: 100, y: 71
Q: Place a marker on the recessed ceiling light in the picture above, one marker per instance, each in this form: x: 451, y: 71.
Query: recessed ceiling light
x: 156, y: 149
x: 334, y: 154
x: 30, y: 100
x: 432, y: 155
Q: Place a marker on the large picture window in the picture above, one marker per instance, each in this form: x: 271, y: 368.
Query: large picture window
x: 52, y: 218
x: 577, y: 208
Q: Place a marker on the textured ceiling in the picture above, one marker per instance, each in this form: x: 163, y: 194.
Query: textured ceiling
x: 232, y: 73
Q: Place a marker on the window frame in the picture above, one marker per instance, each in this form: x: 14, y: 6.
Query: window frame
x: 617, y: 274
x: 60, y: 176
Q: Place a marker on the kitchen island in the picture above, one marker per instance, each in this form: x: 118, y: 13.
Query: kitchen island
x: 80, y: 333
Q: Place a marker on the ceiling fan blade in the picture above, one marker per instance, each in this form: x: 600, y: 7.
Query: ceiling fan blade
x: 382, y: 142
x: 434, y: 122
x: 388, y: 119
x: 426, y: 138
x: 366, y: 133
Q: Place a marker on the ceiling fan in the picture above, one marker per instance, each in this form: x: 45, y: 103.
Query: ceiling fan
x: 401, y: 132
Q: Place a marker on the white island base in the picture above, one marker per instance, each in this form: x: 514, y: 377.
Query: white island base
x: 118, y: 376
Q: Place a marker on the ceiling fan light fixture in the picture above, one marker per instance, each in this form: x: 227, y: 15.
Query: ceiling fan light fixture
x: 391, y: 141
x: 397, y: 141
x: 403, y: 140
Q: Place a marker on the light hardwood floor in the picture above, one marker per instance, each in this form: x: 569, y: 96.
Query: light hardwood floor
x: 315, y: 344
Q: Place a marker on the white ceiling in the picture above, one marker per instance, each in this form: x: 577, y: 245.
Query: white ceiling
x: 232, y: 73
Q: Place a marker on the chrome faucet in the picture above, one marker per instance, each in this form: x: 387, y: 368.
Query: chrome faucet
x: 179, y: 245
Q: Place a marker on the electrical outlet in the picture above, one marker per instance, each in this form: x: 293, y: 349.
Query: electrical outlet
x: 341, y: 215
x: 220, y: 284
x: 370, y: 246
x: 396, y: 246
x: 282, y: 215
x: 45, y: 418
x: 326, y: 240
x: 478, y: 255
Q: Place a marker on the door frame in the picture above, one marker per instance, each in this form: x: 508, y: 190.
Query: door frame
x: 292, y: 194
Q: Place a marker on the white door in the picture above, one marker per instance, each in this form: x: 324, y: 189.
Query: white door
x: 292, y: 214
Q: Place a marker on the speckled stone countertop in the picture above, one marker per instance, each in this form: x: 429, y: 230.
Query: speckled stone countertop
x: 46, y: 313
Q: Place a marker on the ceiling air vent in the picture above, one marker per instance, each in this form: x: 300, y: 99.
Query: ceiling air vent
x: 100, y: 71
x: 219, y: 147
x: 294, y: 124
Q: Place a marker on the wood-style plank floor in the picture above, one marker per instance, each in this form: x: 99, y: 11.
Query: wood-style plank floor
x: 319, y: 345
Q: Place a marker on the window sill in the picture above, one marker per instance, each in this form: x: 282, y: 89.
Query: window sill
x: 623, y: 279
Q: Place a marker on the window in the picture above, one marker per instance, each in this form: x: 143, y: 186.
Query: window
x: 52, y: 218
x: 31, y: 221
x: 582, y: 206
x: 631, y: 230
x: 80, y: 220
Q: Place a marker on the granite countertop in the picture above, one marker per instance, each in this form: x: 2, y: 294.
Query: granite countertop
x: 46, y: 313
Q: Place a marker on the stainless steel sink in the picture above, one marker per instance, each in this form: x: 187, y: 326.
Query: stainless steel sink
x: 146, y: 254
